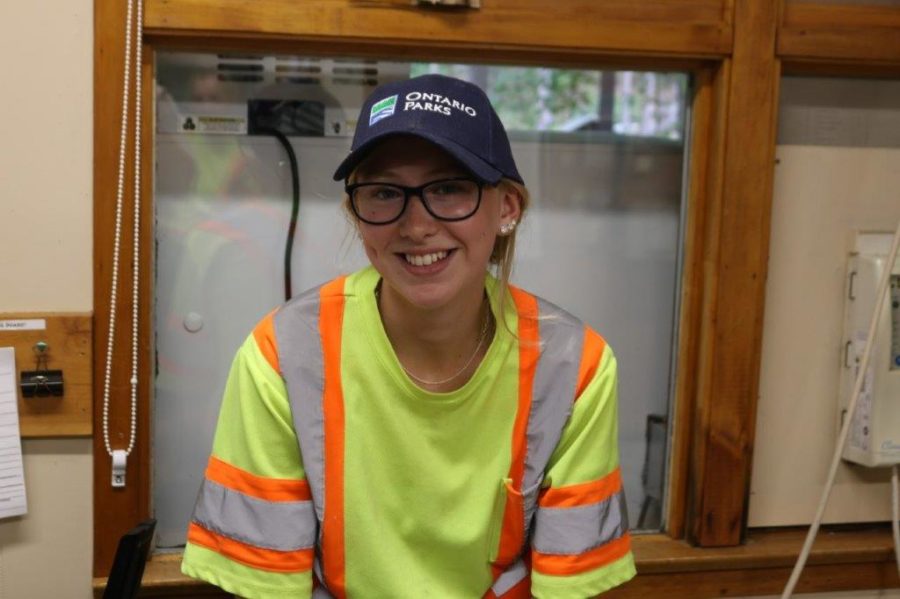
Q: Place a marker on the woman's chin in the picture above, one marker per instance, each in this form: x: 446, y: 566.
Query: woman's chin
x: 425, y: 297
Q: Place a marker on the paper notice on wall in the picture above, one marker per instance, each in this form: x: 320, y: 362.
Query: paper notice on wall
x: 12, y: 475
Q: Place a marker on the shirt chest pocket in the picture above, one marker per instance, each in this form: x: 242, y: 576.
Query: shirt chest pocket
x: 510, y: 521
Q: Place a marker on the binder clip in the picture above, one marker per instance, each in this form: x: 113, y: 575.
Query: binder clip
x: 41, y: 382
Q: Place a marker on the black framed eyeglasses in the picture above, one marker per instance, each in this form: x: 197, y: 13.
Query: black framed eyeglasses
x: 446, y: 199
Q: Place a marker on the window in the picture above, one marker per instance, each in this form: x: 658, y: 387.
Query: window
x: 602, y: 154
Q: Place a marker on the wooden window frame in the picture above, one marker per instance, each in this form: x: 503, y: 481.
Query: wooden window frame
x: 834, y: 39
x: 734, y: 50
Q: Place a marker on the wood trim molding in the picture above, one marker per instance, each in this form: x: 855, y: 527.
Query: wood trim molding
x: 837, y: 68
x: 840, y: 561
x: 813, y: 32
x: 393, y: 49
x: 736, y: 247
x: 698, y: 28
x: 703, y: 193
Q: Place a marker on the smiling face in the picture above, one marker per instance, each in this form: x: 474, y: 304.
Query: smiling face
x: 427, y: 263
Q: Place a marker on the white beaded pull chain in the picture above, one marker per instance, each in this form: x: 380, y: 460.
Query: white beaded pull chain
x: 119, y: 456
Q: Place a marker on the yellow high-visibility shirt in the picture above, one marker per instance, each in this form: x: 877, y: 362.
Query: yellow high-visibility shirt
x: 337, y: 457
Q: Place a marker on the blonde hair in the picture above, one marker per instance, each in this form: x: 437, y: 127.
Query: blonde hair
x: 503, y: 255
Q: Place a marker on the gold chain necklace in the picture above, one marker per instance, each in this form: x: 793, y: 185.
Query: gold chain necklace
x: 481, y: 337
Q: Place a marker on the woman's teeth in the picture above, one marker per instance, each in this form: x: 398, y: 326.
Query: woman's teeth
x: 424, y: 259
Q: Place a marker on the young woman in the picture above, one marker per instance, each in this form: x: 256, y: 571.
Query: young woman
x: 419, y: 428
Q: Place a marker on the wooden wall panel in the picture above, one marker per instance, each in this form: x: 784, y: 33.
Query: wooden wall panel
x: 69, y: 339
x: 684, y: 28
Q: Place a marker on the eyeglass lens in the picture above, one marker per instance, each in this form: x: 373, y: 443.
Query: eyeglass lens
x: 448, y: 200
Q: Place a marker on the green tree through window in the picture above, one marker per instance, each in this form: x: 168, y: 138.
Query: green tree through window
x: 544, y: 99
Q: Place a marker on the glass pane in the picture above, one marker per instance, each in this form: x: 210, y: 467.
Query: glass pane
x: 602, y: 154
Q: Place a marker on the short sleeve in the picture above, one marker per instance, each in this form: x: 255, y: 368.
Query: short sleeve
x: 253, y: 529
x: 581, y: 546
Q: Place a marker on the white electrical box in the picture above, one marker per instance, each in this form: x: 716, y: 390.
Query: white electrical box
x: 874, y: 438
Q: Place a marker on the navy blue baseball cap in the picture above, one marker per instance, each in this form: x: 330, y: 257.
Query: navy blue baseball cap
x: 454, y: 115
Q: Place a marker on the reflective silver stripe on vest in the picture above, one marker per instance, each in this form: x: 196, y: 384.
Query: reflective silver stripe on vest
x: 552, y: 394
x: 574, y: 530
x: 296, y: 327
x: 279, y: 525
x: 510, y: 578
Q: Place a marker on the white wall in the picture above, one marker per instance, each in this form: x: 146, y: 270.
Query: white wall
x: 839, y: 147
x: 46, y: 265
x: 821, y: 195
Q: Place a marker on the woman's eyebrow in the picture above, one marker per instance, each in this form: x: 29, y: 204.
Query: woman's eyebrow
x: 436, y: 174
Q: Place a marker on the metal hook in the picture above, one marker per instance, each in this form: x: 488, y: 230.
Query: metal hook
x: 40, y: 349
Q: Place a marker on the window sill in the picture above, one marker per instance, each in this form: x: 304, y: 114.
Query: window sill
x: 676, y: 570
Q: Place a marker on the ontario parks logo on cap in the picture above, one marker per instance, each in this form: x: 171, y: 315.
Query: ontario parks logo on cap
x: 382, y: 109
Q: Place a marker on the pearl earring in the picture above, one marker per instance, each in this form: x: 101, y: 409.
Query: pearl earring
x: 507, y: 228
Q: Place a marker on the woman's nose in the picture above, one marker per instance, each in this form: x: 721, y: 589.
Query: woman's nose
x: 416, y: 221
